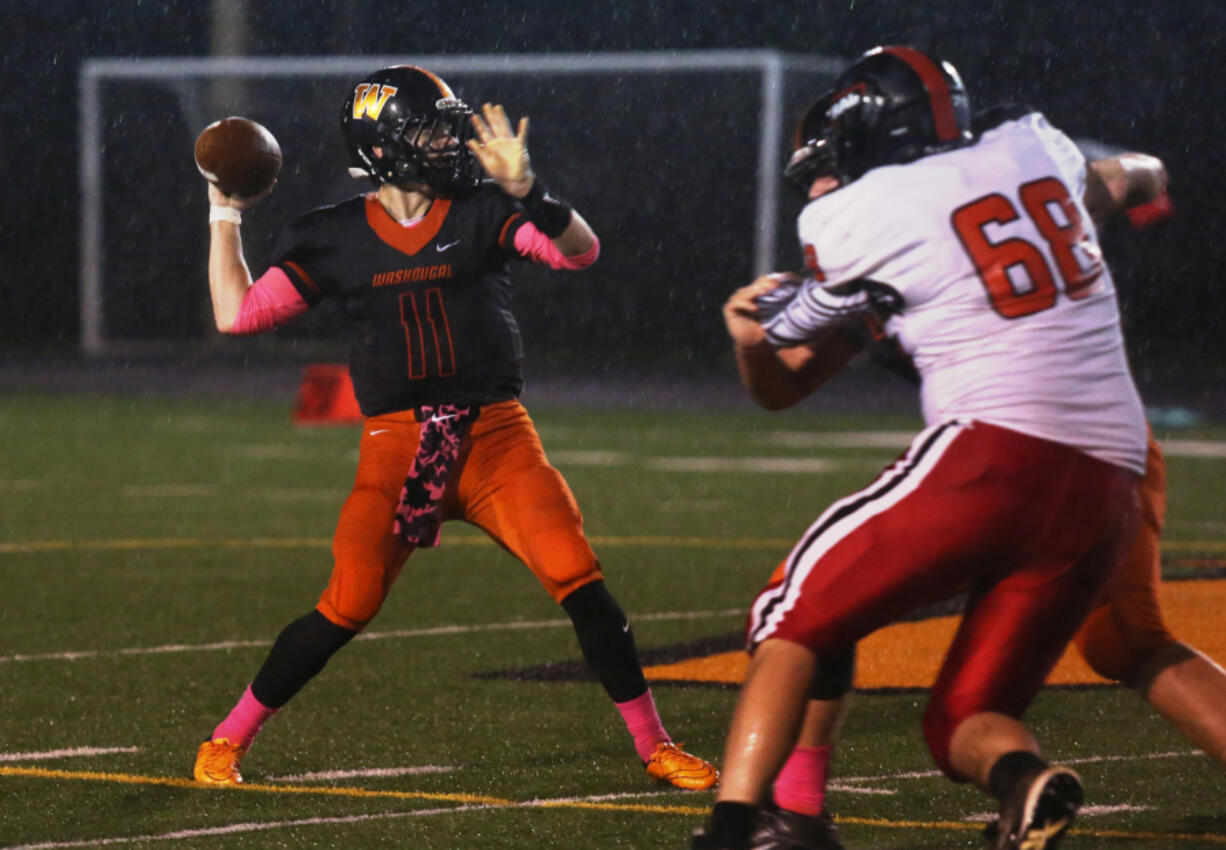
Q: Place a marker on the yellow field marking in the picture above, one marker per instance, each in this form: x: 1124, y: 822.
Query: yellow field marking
x: 1190, y: 837
x: 180, y: 782
x: 645, y: 808
x: 908, y: 824
x: 164, y: 543
x: 502, y: 802
x: 35, y: 546
x: 1095, y: 833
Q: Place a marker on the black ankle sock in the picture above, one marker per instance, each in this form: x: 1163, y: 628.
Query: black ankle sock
x: 733, y: 823
x: 1010, y: 768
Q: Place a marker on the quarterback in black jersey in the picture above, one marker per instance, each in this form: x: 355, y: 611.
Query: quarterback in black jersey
x: 433, y: 313
x: 422, y: 265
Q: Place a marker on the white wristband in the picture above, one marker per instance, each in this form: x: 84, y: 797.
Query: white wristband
x: 220, y: 213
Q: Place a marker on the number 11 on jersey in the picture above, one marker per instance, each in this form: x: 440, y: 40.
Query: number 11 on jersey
x: 419, y: 341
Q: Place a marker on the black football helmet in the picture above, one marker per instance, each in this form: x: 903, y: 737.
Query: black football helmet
x: 419, y: 126
x: 894, y: 104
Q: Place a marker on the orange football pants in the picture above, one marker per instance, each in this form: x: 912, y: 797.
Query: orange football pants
x: 501, y: 483
x: 1127, y: 628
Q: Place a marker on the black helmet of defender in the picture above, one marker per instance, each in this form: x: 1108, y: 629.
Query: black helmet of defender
x: 389, y: 112
x: 892, y: 105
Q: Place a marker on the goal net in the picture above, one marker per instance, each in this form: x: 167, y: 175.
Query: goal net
x: 674, y: 158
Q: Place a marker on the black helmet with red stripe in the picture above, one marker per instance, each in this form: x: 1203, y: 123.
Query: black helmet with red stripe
x: 894, y: 104
x: 404, y: 125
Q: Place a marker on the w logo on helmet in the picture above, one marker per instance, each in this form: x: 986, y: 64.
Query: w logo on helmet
x: 369, y: 98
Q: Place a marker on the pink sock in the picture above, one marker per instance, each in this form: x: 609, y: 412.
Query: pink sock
x: 801, y: 784
x: 644, y: 724
x: 243, y: 722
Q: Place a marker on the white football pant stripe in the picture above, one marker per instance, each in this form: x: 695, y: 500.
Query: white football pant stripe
x: 898, y: 481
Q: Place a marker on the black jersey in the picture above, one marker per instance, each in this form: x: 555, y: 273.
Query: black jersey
x: 432, y: 302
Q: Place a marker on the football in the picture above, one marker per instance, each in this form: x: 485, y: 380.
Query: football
x: 240, y: 156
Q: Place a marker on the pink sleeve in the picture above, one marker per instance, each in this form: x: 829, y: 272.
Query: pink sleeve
x: 539, y: 248
x: 271, y: 301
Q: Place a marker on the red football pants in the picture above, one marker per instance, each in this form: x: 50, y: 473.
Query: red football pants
x: 1032, y: 528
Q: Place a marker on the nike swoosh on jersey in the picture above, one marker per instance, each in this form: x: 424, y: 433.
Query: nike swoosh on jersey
x: 441, y: 248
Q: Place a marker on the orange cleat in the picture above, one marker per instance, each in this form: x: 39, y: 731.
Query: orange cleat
x: 671, y: 764
x: 217, y: 762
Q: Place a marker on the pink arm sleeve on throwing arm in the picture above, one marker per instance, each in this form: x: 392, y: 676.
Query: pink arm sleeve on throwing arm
x: 271, y: 301
x: 539, y: 248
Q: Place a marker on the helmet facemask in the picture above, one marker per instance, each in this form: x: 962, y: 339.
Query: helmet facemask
x: 813, y: 155
x: 433, y: 149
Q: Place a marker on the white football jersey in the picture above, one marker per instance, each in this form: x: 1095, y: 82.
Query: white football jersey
x: 1001, y: 296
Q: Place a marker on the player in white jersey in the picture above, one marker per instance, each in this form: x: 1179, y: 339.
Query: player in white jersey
x: 1010, y: 313
x: 976, y: 254
x: 1126, y: 638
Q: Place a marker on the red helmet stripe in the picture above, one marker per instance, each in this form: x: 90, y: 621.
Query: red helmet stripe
x: 943, y: 118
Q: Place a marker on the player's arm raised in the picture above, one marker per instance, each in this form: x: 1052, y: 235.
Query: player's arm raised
x: 229, y: 277
x: 778, y: 378
x: 503, y: 153
x: 1127, y: 181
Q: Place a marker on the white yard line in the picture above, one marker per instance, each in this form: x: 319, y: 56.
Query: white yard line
x: 542, y: 802
x: 363, y: 773
x: 264, y: 826
x: 457, y: 629
x: 838, y: 785
x: 1174, y: 754
x: 927, y: 774
x: 168, y: 491
x: 902, y: 439
x: 69, y: 753
x: 761, y: 465
x: 239, y: 828
x: 13, y: 484
x: 892, y: 440
x: 1193, y: 448
x: 200, y: 491
x: 274, y: 451
x: 302, y: 494
x: 1083, y: 812
x: 908, y: 774
x: 589, y: 457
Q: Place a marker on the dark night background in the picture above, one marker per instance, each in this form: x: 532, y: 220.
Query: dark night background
x: 1144, y: 76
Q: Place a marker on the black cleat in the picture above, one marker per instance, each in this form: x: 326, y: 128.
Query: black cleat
x: 780, y: 829
x: 700, y: 840
x: 1037, y: 812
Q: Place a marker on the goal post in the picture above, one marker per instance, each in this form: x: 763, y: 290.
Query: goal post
x: 676, y: 155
